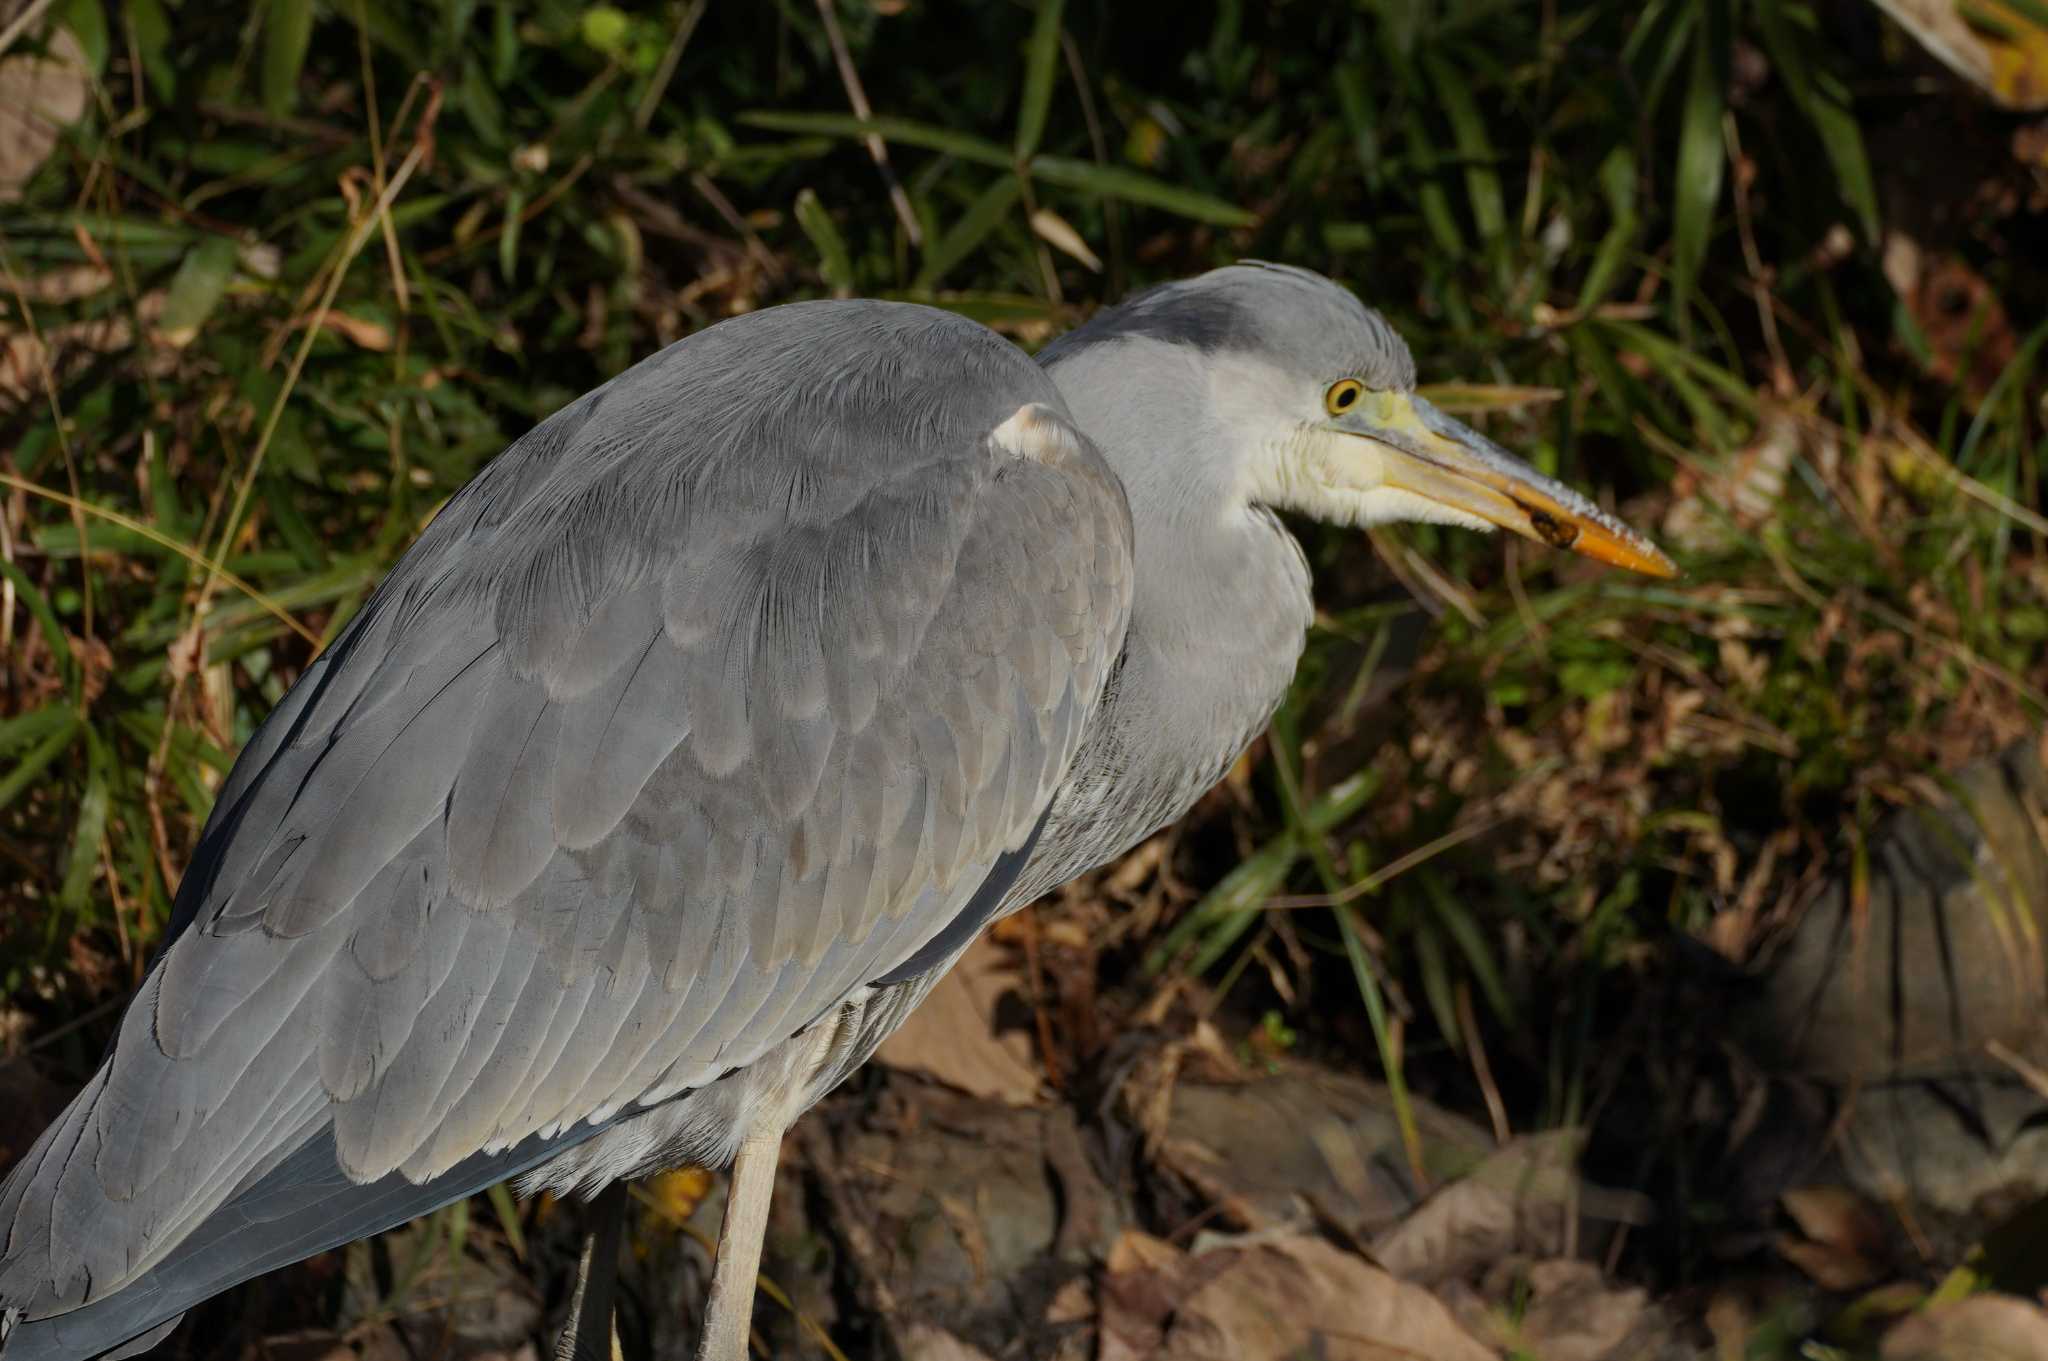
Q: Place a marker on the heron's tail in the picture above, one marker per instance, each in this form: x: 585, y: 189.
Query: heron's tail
x: 303, y: 1205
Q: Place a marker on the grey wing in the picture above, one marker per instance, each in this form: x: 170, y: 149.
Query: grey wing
x: 696, y: 711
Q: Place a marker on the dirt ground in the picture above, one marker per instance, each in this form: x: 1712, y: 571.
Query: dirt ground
x: 1871, y: 1109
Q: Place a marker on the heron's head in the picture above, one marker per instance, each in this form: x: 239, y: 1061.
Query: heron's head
x: 1279, y: 388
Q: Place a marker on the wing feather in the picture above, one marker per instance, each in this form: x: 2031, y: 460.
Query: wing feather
x: 694, y: 712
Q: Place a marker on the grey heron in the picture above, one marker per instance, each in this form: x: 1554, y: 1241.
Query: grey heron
x: 694, y: 740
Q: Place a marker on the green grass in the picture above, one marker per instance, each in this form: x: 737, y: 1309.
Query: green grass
x: 389, y: 235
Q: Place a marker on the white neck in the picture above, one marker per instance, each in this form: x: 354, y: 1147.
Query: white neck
x: 1219, y: 612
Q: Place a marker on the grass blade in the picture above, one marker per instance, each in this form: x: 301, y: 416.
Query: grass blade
x: 38, y: 759
x: 1041, y: 64
x: 904, y: 130
x: 960, y: 240
x: 1468, y: 130
x: 833, y: 261
x: 287, y: 32
x: 1111, y: 181
x: 89, y: 827
x: 197, y: 288
x: 1700, y: 164
x: 1826, y: 106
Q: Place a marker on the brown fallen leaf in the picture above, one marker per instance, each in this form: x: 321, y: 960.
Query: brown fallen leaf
x: 1517, y: 1201
x: 40, y: 95
x: 1845, y: 1247
x: 925, y: 1342
x: 2006, y: 57
x: 1981, y: 1328
x: 1270, y: 1297
x: 957, y: 1036
x: 1566, y: 1311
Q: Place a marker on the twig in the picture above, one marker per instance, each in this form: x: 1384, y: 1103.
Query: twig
x: 541, y: 203
x: 858, y: 98
x: 21, y: 23
x: 1098, y: 145
x: 49, y: 377
x: 1496, y: 1109
x: 651, y: 100
x: 1759, y: 288
x: 422, y: 143
x: 163, y: 540
x: 1457, y: 836
x: 756, y: 251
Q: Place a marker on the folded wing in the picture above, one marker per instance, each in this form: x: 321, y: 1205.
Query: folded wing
x: 709, y: 701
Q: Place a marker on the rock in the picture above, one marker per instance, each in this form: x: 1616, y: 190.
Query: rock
x: 1303, y: 1143
x: 1924, y: 1017
x: 972, y: 1215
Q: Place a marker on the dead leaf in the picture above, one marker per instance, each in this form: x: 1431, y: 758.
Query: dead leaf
x: 368, y: 335
x: 1073, y: 1302
x: 1845, y: 1247
x: 1517, y: 1201
x: 1567, y: 1311
x: 957, y: 1037
x: 924, y: 1342
x: 1981, y: 1328
x: 39, y: 96
x: 1274, y: 1298
x: 2007, y: 57
x: 1746, y: 489
x: 1060, y: 234
x: 1969, y: 336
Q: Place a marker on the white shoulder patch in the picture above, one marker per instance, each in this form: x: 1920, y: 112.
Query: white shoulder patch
x: 1037, y: 432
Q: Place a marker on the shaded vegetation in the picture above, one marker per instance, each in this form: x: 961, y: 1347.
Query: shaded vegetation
x: 1760, y: 274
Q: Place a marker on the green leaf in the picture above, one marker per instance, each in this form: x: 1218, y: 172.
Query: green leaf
x: 1115, y: 182
x: 1429, y: 193
x: 606, y: 28
x: 1826, y: 106
x: 197, y: 288
x: 88, y: 23
x: 1360, y: 120
x: 904, y: 130
x: 1437, y: 988
x: 508, y: 1219
x: 39, y: 605
x: 89, y: 829
x: 152, y: 30
x: 1468, y: 129
x: 508, y: 240
x: 833, y: 261
x: 1618, y: 181
x: 1700, y: 164
x: 287, y: 32
x: 1041, y: 63
x: 33, y: 726
x: 960, y: 240
x: 38, y: 759
x: 1472, y: 941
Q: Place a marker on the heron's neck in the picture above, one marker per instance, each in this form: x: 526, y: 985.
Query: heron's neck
x: 1219, y: 611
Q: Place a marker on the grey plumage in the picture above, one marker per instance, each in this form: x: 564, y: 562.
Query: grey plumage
x: 692, y: 714
x: 687, y: 748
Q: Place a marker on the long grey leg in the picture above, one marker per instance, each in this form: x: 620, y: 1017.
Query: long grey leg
x: 729, y: 1314
x: 588, y: 1334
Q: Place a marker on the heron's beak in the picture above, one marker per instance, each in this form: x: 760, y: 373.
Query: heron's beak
x: 1430, y: 455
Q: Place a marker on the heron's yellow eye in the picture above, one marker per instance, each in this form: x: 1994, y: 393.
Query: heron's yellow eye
x: 1343, y: 395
